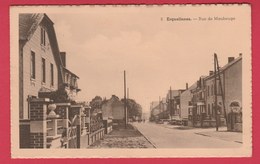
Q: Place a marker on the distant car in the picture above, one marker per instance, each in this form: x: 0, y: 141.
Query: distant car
x: 159, y: 122
x: 172, y: 122
x: 179, y: 122
x: 176, y: 121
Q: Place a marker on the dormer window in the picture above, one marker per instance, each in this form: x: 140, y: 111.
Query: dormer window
x: 43, y: 37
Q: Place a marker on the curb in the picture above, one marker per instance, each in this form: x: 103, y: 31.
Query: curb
x: 145, y: 137
x: 218, y: 138
x: 203, y: 134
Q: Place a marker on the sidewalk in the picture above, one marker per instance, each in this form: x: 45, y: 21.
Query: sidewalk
x: 123, y: 138
x: 222, y: 133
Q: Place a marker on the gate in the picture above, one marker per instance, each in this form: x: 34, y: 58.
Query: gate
x: 72, y: 137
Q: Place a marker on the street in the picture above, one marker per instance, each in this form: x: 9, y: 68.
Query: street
x: 162, y: 136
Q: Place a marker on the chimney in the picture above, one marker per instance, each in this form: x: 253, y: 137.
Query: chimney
x: 211, y: 73
x: 63, y: 58
x: 230, y: 59
x: 187, y: 86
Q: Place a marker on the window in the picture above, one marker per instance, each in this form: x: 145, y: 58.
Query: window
x: 52, y: 75
x: 32, y: 65
x: 213, y: 110
x: 208, y: 90
x: 209, y: 109
x: 43, y: 71
x: 75, y: 82
x: 67, y: 78
x: 43, y: 34
x: 71, y: 80
x: 212, y: 89
x: 219, y: 88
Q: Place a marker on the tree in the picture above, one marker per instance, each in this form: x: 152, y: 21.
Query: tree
x: 96, y: 103
x: 61, y: 96
x: 134, y: 109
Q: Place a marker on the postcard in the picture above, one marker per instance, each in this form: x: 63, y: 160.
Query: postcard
x: 123, y: 81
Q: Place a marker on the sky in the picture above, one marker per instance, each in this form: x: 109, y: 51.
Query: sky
x: 101, y: 42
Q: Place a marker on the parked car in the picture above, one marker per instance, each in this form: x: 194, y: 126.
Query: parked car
x: 176, y: 121
x: 159, y: 122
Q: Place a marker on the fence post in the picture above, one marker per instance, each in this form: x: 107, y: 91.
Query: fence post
x: 77, y: 110
x: 38, y: 124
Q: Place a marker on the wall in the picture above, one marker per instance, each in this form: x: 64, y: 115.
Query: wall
x: 210, y: 99
x: 107, y: 110
x: 233, y: 84
x: 185, y: 97
x: 232, y: 87
x: 31, y: 87
x: 24, y: 133
x: 118, y: 113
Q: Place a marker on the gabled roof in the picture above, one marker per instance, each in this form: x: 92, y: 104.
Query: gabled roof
x: 173, y: 93
x: 28, y: 24
x: 225, y: 67
x: 192, y: 87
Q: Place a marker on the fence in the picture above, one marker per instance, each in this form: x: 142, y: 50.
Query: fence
x: 59, y: 126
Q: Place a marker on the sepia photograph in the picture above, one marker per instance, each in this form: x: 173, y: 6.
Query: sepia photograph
x: 131, y: 81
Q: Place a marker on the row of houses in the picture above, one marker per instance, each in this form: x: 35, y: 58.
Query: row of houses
x: 195, y: 105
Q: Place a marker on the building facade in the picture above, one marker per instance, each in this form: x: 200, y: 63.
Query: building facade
x: 185, y: 99
x: 38, y: 59
x: 42, y: 68
x: 226, y: 88
x: 231, y: 85
x: 173, y: 103
x: 154, y: 110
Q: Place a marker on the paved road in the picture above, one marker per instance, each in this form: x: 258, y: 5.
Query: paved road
x: 163, y: 137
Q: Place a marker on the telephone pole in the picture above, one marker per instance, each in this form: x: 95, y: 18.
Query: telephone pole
x: 170, y: 102
x: 127, y: 93
x: 125, y: 99
x: 160, y: 103
x: 215, y: 92
x: 221, y: 89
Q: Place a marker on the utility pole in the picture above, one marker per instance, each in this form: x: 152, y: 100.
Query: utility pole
x: 170, y: 102
x: 215, y: 92
x: 125, y: 99
x: 221, y: 89
x: 127, y: 93
x: 160, y: 103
